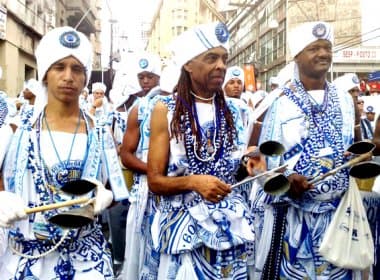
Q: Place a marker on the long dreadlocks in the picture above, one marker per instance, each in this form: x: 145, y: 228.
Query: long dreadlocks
x: 185, y: 101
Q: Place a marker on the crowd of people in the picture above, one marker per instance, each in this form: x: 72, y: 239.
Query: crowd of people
x: 159, y: 183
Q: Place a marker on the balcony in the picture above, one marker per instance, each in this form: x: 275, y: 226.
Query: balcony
x: 27, y: 15
x: 76, y: 9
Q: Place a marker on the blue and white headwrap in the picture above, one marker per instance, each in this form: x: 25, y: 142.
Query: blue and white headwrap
x: 201, y: 38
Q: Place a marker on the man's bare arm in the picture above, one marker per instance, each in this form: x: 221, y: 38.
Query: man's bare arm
x: 210, y: 187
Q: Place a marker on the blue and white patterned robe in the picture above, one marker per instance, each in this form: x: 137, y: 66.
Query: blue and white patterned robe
x: 313, y: 144
x: 84, y: 253
x: 210, y: 239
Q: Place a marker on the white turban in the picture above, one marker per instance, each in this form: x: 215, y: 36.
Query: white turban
x: 234, y: 72
x: 169, y: 77
x: 273, y: 80
x: 60, y: 43
x: 369, y: 109
x: 147, y: 62
x: 34, y: 86
x: 347, y: 82
x: 98, y: 86
x: 197, y: 40
x: 307, y: 33
x: 55, y: 45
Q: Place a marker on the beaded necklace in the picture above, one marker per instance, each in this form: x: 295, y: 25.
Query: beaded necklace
x: 218, y: 165
x: 210, y: 144
x: 44, y: 195
x: 64, y: 171
x: 324, y: 126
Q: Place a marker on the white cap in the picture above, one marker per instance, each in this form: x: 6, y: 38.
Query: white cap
x: 197, y: 40
x: 307, y: 33
x: 147, y: 62
x: 234, y: 72
x: 369, y: 109
x: 347, y: 82
x: 273, y: 81
x: 98, y: 86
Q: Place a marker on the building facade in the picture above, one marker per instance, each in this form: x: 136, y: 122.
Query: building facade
x: 24, y: 22
x: 259, y: 30
x: 174, y: 17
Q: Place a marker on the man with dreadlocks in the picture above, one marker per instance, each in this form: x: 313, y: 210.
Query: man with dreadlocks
x: 202, y: 226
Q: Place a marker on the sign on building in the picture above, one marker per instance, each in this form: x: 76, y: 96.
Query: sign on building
x: 352, y: 55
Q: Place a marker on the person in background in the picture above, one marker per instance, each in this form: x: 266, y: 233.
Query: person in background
x: 370, y: 113
x: 147, y: 67
x: 56, y: 144
x: 128, y: 119
x: 366, y: 123
x: 202, y: 225
x: 5, y: 129
x: 141, y: 260
x: 273, y: 83
x: 31, y: 90
x: 83, y: 99
x: 98, y: 105
x: 233, y: 85
x: 350, y: 83
x: 315, y: 129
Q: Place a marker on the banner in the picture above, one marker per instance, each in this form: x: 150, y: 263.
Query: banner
x: 249, y: 77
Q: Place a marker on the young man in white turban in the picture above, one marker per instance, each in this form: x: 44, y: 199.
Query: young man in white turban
x: 147, y: 68
x: 133, y: 153
x: 315, y: 124
x: 202, y: 226
x: 233, y: 85
x: 57, y: 145
x: 128, y: 120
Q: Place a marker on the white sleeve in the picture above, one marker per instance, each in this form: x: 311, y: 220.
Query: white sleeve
x: 6, y: 133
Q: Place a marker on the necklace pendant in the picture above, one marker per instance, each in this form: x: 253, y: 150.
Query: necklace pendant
x: 210, y: 149
x: 63, y: 174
